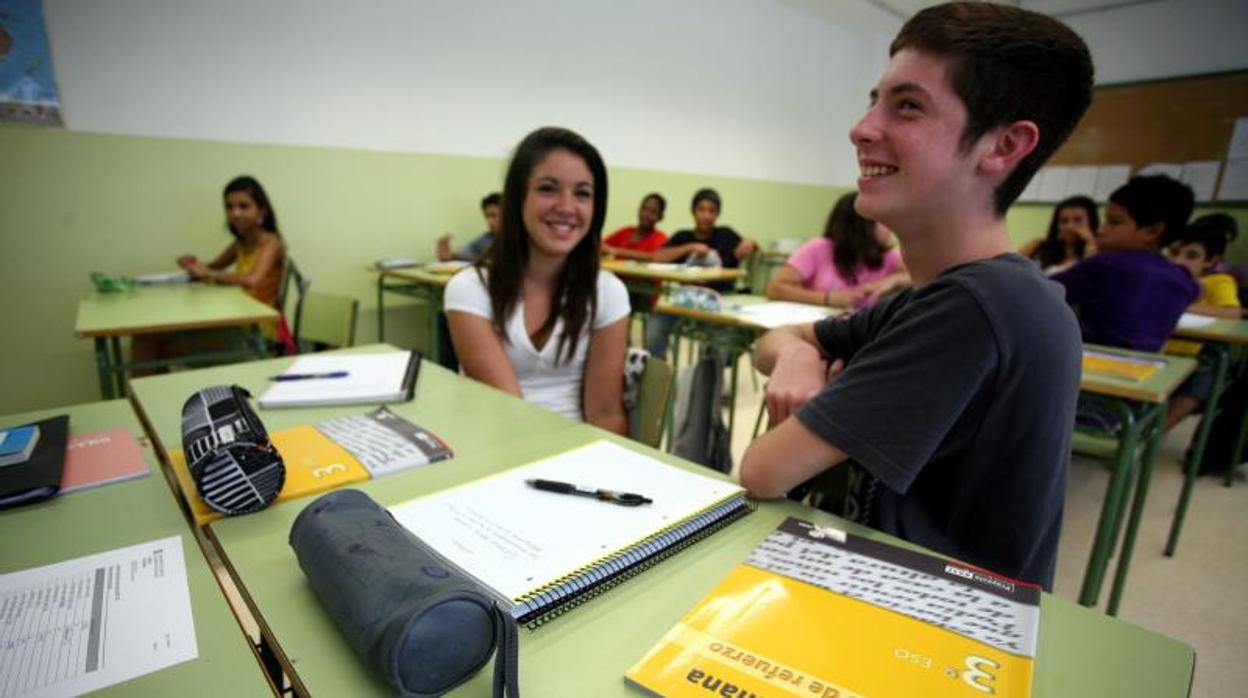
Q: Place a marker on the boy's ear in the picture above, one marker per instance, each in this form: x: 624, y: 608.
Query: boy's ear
x: 1010, y: 144
x: 1152, y: 233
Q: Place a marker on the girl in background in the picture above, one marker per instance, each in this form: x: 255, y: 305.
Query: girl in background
x: 849, y: 267
x: 257, y: 252
x: 536, y: 318
x: 1071, y: 236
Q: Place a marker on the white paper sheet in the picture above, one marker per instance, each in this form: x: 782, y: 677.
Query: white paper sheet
x: 1109, y: 178
x: 515, y: 539
x: 779, y: 313
x: 370, y: 378
x: 1234, y: 185
x: 1081, y: 181
x: 1201, y: 176
x: 1192, y: 320
x: 94, y: 621
x: 1238, y: 147
x: 1173, y: 170
x: 1053, y: 185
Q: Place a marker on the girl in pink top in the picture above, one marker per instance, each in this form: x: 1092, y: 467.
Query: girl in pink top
x: 850, y: 266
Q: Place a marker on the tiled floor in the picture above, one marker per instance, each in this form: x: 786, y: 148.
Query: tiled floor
x: 1199, y: 596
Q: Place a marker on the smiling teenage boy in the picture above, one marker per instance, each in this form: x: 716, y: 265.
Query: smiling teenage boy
x: 950, y: 406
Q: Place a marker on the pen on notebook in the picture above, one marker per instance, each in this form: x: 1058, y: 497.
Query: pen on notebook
x: 624, y: 498
x: 308, y: 376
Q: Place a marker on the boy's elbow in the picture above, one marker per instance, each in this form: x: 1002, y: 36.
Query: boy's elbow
x: 756, y: 479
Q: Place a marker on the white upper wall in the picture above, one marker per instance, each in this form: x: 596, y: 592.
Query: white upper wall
x: 1158, y: 39
x: 764, y: 89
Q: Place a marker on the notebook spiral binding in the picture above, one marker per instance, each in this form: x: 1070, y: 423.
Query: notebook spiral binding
x: 557, y: 598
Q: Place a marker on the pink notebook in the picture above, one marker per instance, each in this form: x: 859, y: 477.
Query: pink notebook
x: 102, y: 458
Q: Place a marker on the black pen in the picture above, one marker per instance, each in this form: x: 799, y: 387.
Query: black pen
x: 623, y: 498
x: 308, y: 376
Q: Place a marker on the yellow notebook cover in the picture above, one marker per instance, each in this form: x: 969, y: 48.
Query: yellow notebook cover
x: 1129, y: 367
x: 818, y: 613
x: 314, y: 464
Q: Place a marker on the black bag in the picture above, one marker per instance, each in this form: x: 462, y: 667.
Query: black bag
x: 235, y: 468
x: 1232, y: 407
x: 406, y: 612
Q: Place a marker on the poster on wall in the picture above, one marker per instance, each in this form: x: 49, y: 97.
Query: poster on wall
x: 27, y: 83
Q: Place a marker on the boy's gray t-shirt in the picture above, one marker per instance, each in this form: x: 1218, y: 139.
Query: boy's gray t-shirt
x: 958, y: 401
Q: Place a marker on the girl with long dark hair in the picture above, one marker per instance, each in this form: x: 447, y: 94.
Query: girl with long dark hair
x: 1071, y: 236
x: 849, y: 266
x: 536, y: 318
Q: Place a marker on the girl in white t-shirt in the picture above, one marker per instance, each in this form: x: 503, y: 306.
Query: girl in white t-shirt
x: 536, y: 318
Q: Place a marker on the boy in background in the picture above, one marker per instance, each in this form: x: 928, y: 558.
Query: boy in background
x: 950, y: 406
x: 491, y: 206
x: 1200, y: 250
x: 1129, y: 295
x: 641, y: 240
x: 697, y: 245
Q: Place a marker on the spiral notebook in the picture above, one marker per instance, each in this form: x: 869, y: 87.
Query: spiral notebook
x: 545, y: 552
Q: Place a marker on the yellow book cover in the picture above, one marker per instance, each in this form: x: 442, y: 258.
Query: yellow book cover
x: 1121, y: 366
x: 314, y: 463
x: 818, y: 613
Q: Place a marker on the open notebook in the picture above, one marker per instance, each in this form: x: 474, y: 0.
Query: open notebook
x: 545, y: 552
x: 345, y: 379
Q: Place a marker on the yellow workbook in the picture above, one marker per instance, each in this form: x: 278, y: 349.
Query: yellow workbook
x: 819, y: 613
x: 1136, y: 368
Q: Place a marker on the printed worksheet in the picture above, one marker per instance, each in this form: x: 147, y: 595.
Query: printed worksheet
x: 94, y: 621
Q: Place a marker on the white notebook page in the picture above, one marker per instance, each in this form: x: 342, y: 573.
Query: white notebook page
x: 516, y: 539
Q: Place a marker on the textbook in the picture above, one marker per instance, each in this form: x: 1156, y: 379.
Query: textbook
x: 102, y: 458
x: 1136, y: 368
x: 345, y: 379
x: 396, y: 263
x: 544, y: 551
x: 815, y: 611
x: 337, y: 452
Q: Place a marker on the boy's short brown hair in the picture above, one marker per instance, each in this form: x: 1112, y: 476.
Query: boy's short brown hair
x: 1007, y: 64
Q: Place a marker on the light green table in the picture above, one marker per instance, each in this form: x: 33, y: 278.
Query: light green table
x: 1140, y: 408
x: 586, y: 651
x: 423, y: 283
x: 1222, y: 334
x: 107, y: 317
x: 124, y: 514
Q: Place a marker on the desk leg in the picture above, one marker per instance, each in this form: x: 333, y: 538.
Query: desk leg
x: 1198, y: 447
x: 381, y: 308
x: 1241, y: 370
x: 732, y: 396
x: 119, y: 373
x: 104, y: 367
x: 674, y: 349
x: 1137, y: 507
x: 1115, y: 493
x: 435, y: 340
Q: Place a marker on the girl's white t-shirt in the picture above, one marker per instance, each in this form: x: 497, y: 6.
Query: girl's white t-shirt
x: 546, y: 377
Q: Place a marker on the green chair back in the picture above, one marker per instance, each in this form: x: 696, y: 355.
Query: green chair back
x: 652, y: 402
x: 328, y: 320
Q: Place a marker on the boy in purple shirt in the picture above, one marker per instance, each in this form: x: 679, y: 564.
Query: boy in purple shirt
x: 1129, y: 295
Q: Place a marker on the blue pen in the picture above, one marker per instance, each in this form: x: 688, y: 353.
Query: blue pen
x: 308, y: 376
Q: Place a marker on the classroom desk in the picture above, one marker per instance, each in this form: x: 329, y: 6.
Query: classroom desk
x: 1140, y: 407
x: 725, y: 329
x: 586, y: 651
x: 107, y: 317
x: 632, y: 270
x: 124, y: 514
x: 424, y: 283
x: 1222, y: 334
x: 464, y: 413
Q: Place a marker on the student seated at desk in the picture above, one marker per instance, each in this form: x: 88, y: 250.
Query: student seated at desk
x: 706, y: 243
x: 1071, y: 237
x: 476, y: 249
x: 536, y: 318
x: 639, y: 241
x: 1129, y: 295
x: 257, y: 251
x: 849, y: 267
x: 1199, y: 250
x: 259, y: 258
x: 945, y: 410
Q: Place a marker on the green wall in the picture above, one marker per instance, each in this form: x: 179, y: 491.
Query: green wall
x: 72, y: 203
